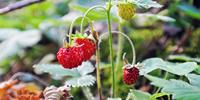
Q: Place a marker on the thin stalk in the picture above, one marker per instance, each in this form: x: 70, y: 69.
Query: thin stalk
x: 165, y: 77
x: 111, y: 48
x: 97, y: 50
x: 98, y: 73
x: 87, y: 12
x: 119, y: 52
x: 120, y: 45
x: 72, y: 25
x: 87, y: 93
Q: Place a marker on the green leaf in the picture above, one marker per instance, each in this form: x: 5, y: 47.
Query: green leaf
x: 86, y: 80
x: 175, y: 68
x: 179, y: 89
x: 79, y: 75
x: 157, y: 81
x: 190, y: 10
x: 138, y: 95
x: 55, y: 70
x: 146, y: 3
x: 83, y: 79
x: 182, y: 90
x: 18, y: 42
x: 86, y: 68
x: 194, y: 79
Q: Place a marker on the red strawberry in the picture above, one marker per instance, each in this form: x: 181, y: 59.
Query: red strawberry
x: 69, y: 57
x: 87, y: 47
x: 130, y: 74
x: 73, y: 56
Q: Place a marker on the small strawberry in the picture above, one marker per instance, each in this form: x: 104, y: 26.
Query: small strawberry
x: 126, y: 10
x: 73, y: 55
x: 87, y: 47
x: 69, y: 57
x: 130, y: 74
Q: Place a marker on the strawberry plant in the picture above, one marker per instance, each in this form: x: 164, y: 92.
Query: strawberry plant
x: 79, y: 64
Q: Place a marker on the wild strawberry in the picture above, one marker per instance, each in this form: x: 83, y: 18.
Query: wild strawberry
x: 87, y: 47
x: 69, y: 57
x: 126, y: 10
x: 130, y: 74
x: 73, y: 56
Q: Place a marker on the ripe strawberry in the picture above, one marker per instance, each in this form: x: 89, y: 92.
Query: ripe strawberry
x: 126, y: 10
x: 87, y: 47
x: 130, y: 74
x: 69, y: 57
x: 73, y: 56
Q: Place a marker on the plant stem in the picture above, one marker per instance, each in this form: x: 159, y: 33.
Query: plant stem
x: 120, y: 45
x: 111, y: 48
x: 87, y: 93
x: 165, y: 77
x: 119, y: 52
x: 98, y: 72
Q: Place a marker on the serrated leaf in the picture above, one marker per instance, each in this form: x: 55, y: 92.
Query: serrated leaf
x: 194, y: 79
x: 55, y: 70
x: 138, y: 95
x: 85, y: 68
x: 146, y: 3
x: 175, y: 68
x: 18, y: 42
x: 86, y: 80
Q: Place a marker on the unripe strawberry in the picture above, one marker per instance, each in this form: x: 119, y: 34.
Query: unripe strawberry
x: 126, y: 10
x: 130, y: 74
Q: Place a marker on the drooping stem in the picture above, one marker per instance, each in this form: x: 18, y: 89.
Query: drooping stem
x: 111, y: 48
x: 97, y: 50
x: 87, y: 12
x: 129, y: 40
x: 72, y: 25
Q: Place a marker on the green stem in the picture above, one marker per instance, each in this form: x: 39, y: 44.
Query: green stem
x: 98, y: 72
x: 87, y: 93
x: 87, y: 12
x: 111, y: 48
x: 72, y: 25
x: 119, y: 54
x: 97, y: 50
x: 120, y: 45
x: 165, y: 77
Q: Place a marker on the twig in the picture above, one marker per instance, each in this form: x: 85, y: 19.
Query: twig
x: 18, y: 5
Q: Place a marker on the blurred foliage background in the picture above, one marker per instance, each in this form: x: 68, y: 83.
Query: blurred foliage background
x: 32, y: 33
